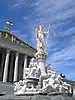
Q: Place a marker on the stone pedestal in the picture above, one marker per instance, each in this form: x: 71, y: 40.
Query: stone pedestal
x: 41, y: 63
x: 32, y: 81
x: 36, y: 97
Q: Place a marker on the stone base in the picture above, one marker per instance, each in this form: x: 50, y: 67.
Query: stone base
x: 37, y: 97
x: 57, y: 93
x: 29, y: 94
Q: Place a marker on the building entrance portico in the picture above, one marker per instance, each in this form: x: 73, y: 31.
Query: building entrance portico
x: 12, y: 65
x: 15, y: 55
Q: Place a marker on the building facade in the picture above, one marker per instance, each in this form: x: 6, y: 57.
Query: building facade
x: 15, y: 55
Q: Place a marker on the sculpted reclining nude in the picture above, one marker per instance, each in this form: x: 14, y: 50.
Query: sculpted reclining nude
x: 56, y: 84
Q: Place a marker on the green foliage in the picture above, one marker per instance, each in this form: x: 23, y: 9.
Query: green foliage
x: 7, y: 29
x: 46, y: 54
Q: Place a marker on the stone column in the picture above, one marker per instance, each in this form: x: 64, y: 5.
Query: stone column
x: 20, y: 69
x: 11, y: 67
x: 2, y: 64
x: 25, y: 65
x: 6, y: 67
x: 16, y: 67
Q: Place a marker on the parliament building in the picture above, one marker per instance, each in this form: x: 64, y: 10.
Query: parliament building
x: 15, y: 56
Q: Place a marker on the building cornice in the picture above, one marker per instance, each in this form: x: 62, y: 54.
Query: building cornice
x: 8, y: 35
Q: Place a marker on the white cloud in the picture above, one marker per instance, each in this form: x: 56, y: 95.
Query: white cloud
x: 54, y: 10
x: 68, y: 52
x: 18, y: 3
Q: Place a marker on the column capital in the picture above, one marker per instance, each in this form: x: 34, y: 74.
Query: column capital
x: 25, y: 56
x: 17, y: 53
x: 8, y: 50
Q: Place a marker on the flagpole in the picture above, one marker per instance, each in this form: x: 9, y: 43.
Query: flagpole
x: 8, y: 25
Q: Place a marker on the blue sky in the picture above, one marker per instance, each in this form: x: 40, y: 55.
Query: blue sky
x: 26, y: 15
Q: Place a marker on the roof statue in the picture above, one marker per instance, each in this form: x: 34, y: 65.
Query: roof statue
x: 40, y: 78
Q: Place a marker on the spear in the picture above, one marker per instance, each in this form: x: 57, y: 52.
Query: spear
x: 47, y: 36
